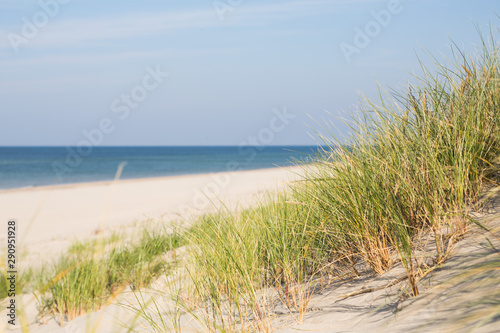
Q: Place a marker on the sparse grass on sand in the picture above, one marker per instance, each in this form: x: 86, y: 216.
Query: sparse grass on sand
x: 93, y: 273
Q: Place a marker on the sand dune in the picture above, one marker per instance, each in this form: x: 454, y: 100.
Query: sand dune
x: 452, y: 298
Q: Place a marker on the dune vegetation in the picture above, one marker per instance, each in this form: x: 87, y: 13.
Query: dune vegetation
x: 399, y: 189
x: 409, y: 175
x: 94, y: 272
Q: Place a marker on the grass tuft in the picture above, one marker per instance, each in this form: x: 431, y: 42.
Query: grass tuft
x: 93, y: 274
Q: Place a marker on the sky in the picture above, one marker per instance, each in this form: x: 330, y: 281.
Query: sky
x: 211, y: 72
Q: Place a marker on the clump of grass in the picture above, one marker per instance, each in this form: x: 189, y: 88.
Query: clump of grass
x: 415, y: 163
x: 92, y: 275
x: 414, y: 166
x: 244, y: 261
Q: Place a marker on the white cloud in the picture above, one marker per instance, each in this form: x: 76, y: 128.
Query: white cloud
x: 66, y: 32
x: 63, y: 32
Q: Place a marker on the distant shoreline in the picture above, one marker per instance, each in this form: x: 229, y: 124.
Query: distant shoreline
x: 28, y: 168
x: 133, y: 180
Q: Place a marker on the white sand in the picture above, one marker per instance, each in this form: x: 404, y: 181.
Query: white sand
x: 50, y: 217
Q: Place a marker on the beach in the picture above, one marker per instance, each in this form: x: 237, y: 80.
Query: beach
x: 197, y: 167
x: 363, y: 304
x: 50, y: 218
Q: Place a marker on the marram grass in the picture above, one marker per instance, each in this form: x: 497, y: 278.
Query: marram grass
x: 413, y: 166
x: 92, y: 274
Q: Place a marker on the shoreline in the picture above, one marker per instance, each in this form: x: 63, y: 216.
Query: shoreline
x: 131, y: 180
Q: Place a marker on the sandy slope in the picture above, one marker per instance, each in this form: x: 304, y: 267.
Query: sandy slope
x: 461, y: 296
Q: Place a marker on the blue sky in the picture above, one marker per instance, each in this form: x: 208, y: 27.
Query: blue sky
x: 231, y: 64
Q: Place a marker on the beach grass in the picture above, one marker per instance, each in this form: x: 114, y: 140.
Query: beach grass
x: 94, y: 273
x: 244, y: 260
x: 412, y: 169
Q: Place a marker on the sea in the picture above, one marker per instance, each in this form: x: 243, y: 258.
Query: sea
x: 22, y: 167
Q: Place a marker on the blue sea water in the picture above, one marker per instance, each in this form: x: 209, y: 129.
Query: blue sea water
x: 39, y: 166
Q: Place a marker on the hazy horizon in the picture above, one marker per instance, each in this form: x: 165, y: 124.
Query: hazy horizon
x: 139, y: 146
